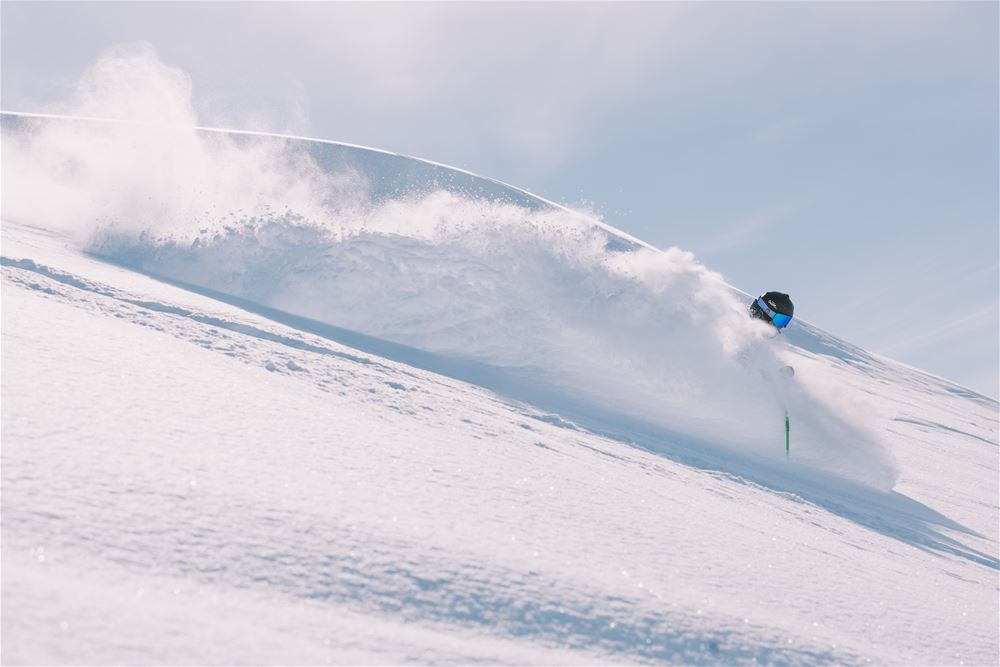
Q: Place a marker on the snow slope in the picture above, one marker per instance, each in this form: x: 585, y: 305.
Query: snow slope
x: 267, y: 399
x: 185, y: 480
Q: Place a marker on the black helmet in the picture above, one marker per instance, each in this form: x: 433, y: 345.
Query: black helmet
x: 775, y: 308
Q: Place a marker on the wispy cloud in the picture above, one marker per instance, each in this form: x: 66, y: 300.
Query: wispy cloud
x: 740, y: 232
x: 535, y: 84
x: 937, y: 330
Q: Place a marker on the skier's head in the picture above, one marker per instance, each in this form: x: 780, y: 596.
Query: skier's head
x: 775, y: 308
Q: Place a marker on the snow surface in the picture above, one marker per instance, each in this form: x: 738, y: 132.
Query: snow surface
x: 272, y: 400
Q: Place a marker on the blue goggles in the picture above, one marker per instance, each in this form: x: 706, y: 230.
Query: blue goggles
x: 779, y: 320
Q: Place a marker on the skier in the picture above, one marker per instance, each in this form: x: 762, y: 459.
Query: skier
x: 775, y: 308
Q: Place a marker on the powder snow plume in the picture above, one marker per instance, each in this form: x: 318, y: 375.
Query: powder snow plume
x: 424, y: 256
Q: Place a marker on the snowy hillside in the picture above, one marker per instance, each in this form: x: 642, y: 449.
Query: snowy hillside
x: 269, y: 399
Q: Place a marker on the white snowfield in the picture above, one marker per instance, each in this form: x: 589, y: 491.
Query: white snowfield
x: 273, y: 400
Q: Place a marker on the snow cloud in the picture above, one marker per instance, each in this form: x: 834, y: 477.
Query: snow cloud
x: 651, y: 338
x: 154, y: 172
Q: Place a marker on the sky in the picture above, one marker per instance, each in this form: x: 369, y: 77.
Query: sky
x: 845, y: 153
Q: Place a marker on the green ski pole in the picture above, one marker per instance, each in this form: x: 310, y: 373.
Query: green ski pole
x: 787, y: 428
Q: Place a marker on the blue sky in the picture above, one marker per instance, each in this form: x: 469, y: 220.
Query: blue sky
x: 846, y: 153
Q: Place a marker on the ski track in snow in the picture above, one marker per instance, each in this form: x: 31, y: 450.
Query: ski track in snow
x: 370, y: 510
